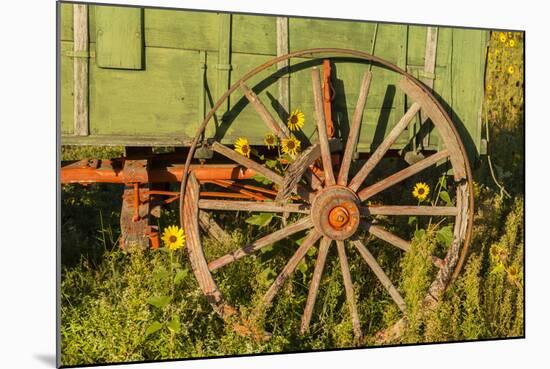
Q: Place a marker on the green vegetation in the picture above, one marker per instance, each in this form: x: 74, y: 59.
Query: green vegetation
x: 146, y: 305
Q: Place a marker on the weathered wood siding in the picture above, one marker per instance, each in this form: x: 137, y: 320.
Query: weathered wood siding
x: 155, y: 95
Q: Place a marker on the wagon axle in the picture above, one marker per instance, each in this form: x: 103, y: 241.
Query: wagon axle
x: 335, y: 212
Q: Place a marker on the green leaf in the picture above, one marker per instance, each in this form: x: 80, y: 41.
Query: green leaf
x: 412, y: 220
x: 443, y: 182
x: 300, y: 240
x: 174, y: 324
x: 261, y: 220
x: 159, y: 301
x: 312, y: 251
x: 444, y: 195
x: 265, y: 249
x: 498, y: 269
x: 302, y: 267
x: 161, y: 274
x: 261, y: 179
x: 445, y: 236
x: 287, y: 157
x: 155, y: 326
x: 272, y: 164
x: 180, y: 275
x: 419, y: 234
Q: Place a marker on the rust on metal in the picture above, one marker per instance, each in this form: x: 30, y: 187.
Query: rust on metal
x: 335, y: 212
x: 113, y: 171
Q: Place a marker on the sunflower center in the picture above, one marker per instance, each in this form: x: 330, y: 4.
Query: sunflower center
x: 245, y: 148
x: 173, y: 239
x: 290, y: 145
x: 294, y: 119
x: 421, y: 191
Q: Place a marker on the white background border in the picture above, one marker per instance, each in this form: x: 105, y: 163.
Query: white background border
x: 28, y: 186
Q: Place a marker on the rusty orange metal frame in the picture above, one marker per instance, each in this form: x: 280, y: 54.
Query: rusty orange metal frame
x: 111, y: 171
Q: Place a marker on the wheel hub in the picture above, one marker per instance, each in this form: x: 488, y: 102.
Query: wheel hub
x: 335, y: 212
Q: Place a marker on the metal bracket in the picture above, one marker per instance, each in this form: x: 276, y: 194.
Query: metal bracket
x: 79, y: 54
x: 224, y: 67
x: 135, y: 171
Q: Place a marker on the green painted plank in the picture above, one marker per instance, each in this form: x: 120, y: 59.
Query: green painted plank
x: 119, y: 37
x: 254, y: 34
x: 161, y: 100
x: 468, y: 66
x: 310, y: 33
x: 66, y: 88
x: 66, y: 22
x: 180, y: 29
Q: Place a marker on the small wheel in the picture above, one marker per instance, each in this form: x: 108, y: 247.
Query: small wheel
x: 332, y: 205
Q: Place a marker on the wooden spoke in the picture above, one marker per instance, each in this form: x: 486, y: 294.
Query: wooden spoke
x: 348, y: 285
x: 224, y: 182
x: 322, y: 127
x: 280, y: 130
x: 246, y: 162
x: 381, y: 150
x: 311, y: 238
x: 354, y: 129
x: 396, y: 241
x: 402, y: 175
x: 211, y: 227
x: 387, y: 236
x: 371, y: 261
x: 409, y: 210
x: 314, y: 285
x: 266, y: 207
x: 287, y: 231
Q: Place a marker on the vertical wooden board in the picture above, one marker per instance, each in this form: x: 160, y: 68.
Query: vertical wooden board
x: 66, y: 87
x: 211, y: 82
x: 310, y: 33
x: 159, y: 101
x: 253, y: 34
x: 416, y: 44
x: 443, y: 77
x: 119, y: 37
x: 391, y: 45
x: 66, y: 22
x: 468, y: 65
x: 181, y: 29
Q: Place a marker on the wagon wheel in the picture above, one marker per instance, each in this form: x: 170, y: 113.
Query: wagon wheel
x: 333, y: 208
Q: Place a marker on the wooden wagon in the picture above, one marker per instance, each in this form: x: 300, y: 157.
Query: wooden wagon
x: 198, y: 81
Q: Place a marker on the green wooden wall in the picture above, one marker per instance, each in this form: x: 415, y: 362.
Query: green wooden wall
x: 150, y: 91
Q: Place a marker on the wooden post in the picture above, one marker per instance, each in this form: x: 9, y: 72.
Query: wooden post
x: 80, y: 77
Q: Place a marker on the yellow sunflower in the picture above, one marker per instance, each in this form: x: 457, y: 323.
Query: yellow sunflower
x: 511, y: 69
x: 512, y: 43
x: 242, y: 146
x: 173, y: 237
x: 296, y: 120
x: 270, y: 140
x: 421, y: 191
x: 513, y: 272
x: 502, y: 37
x: 291, y: 146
